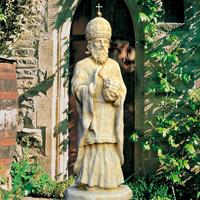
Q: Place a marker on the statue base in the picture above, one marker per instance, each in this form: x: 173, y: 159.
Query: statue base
x: 123, y: 192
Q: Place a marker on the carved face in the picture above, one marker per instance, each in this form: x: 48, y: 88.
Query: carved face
x: 98, y: 48
x: 101, y: 43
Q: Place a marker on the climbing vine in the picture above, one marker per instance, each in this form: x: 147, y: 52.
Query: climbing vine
x: 16, y: 16
x: 173, y: 120
x: 149, y: 15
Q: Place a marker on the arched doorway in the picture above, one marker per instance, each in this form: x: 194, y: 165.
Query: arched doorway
x: 122, y: 49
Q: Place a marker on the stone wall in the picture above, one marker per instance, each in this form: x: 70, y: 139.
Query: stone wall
x: 33, y: 52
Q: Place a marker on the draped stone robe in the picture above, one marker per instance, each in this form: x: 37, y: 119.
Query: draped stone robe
x: 100, y: 122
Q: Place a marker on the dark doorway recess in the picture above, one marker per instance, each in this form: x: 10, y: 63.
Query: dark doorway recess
x: 174, y: 11
x: 122, y: 50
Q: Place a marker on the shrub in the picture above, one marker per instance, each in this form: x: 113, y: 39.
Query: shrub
x: 29, y: 179
x: 150, y: 188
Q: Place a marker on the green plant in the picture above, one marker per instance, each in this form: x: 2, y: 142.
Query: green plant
x: 30, y: 179
x: 173, y: 122
x: 150, y: 188
x: 151, y: 11
x: 16, y: 16
x: 5, y: 194
x: 174, y: 132
x: 61, y: 187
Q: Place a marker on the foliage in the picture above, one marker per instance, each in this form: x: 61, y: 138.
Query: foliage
x: 151, y: 11
x: 174, y: 119
x: 3, y: 195
x: 30, y: 179
x: 16, y: 16
x: 151, y: 188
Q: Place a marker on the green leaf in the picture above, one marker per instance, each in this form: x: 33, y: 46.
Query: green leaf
x: 28, y: 189
x: 142, y: 17
x: 160, y: 152
x: 186, y: 165
x: 186, y: 78
x: 175, y: 178
x: 165, y: 59
x: 198, y: 195
x: 165, y: 85
x: 165, y: 131
x: 172, y: 38
x: 187, y: 127
x: 173, y: 58
x: 159, y: 74
x: 190, y: 149
x: 146, y: 146
x: 172, y: 141
x: 170, y: 59
x: 2, y: 17
x: 154, y: 55
x: 134, y: 137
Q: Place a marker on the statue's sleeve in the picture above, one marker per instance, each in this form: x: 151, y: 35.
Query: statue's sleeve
x: 122, y: 90
x: 120, y: 114
x: 81, y: 89
x: 80, y: 82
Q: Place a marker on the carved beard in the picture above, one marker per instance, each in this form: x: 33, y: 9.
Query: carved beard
x: 100, y: 56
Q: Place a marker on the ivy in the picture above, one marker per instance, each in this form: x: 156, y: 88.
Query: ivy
x: 16, y: 16
x: 151, y: 11
x: 174, y: 121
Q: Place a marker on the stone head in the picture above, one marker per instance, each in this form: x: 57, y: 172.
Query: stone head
x: 98, y: 34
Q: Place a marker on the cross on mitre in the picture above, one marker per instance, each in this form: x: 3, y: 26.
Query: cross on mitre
x: 99, y: 10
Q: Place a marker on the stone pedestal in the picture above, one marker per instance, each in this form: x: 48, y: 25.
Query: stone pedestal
x: 121, y: 193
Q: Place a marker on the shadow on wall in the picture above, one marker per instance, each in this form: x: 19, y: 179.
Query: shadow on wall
x: 43, y: 86
x: 67, y: 9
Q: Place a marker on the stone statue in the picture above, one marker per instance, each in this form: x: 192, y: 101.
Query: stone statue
x: 99, y: 90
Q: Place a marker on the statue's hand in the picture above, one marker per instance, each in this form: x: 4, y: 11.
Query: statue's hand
x: 111, y: 90
x: 108, y: 95
x: 111, y: 84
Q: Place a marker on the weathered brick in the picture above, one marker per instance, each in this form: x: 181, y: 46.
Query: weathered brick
x: 24, y: 52
x: 26, y: 66
x: 26, y: 61
x: 28, y: 34
x: 7, y: 134
x: 8, y: 85
x: 26, y: 84
x: 8, y: 103
x: 7, y: 141
x: 46, y: 60
x: 27, y: 73
x: 6, y: 152
x: 25, y: 43
x: 11, y: 95
x: 8, y: 118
